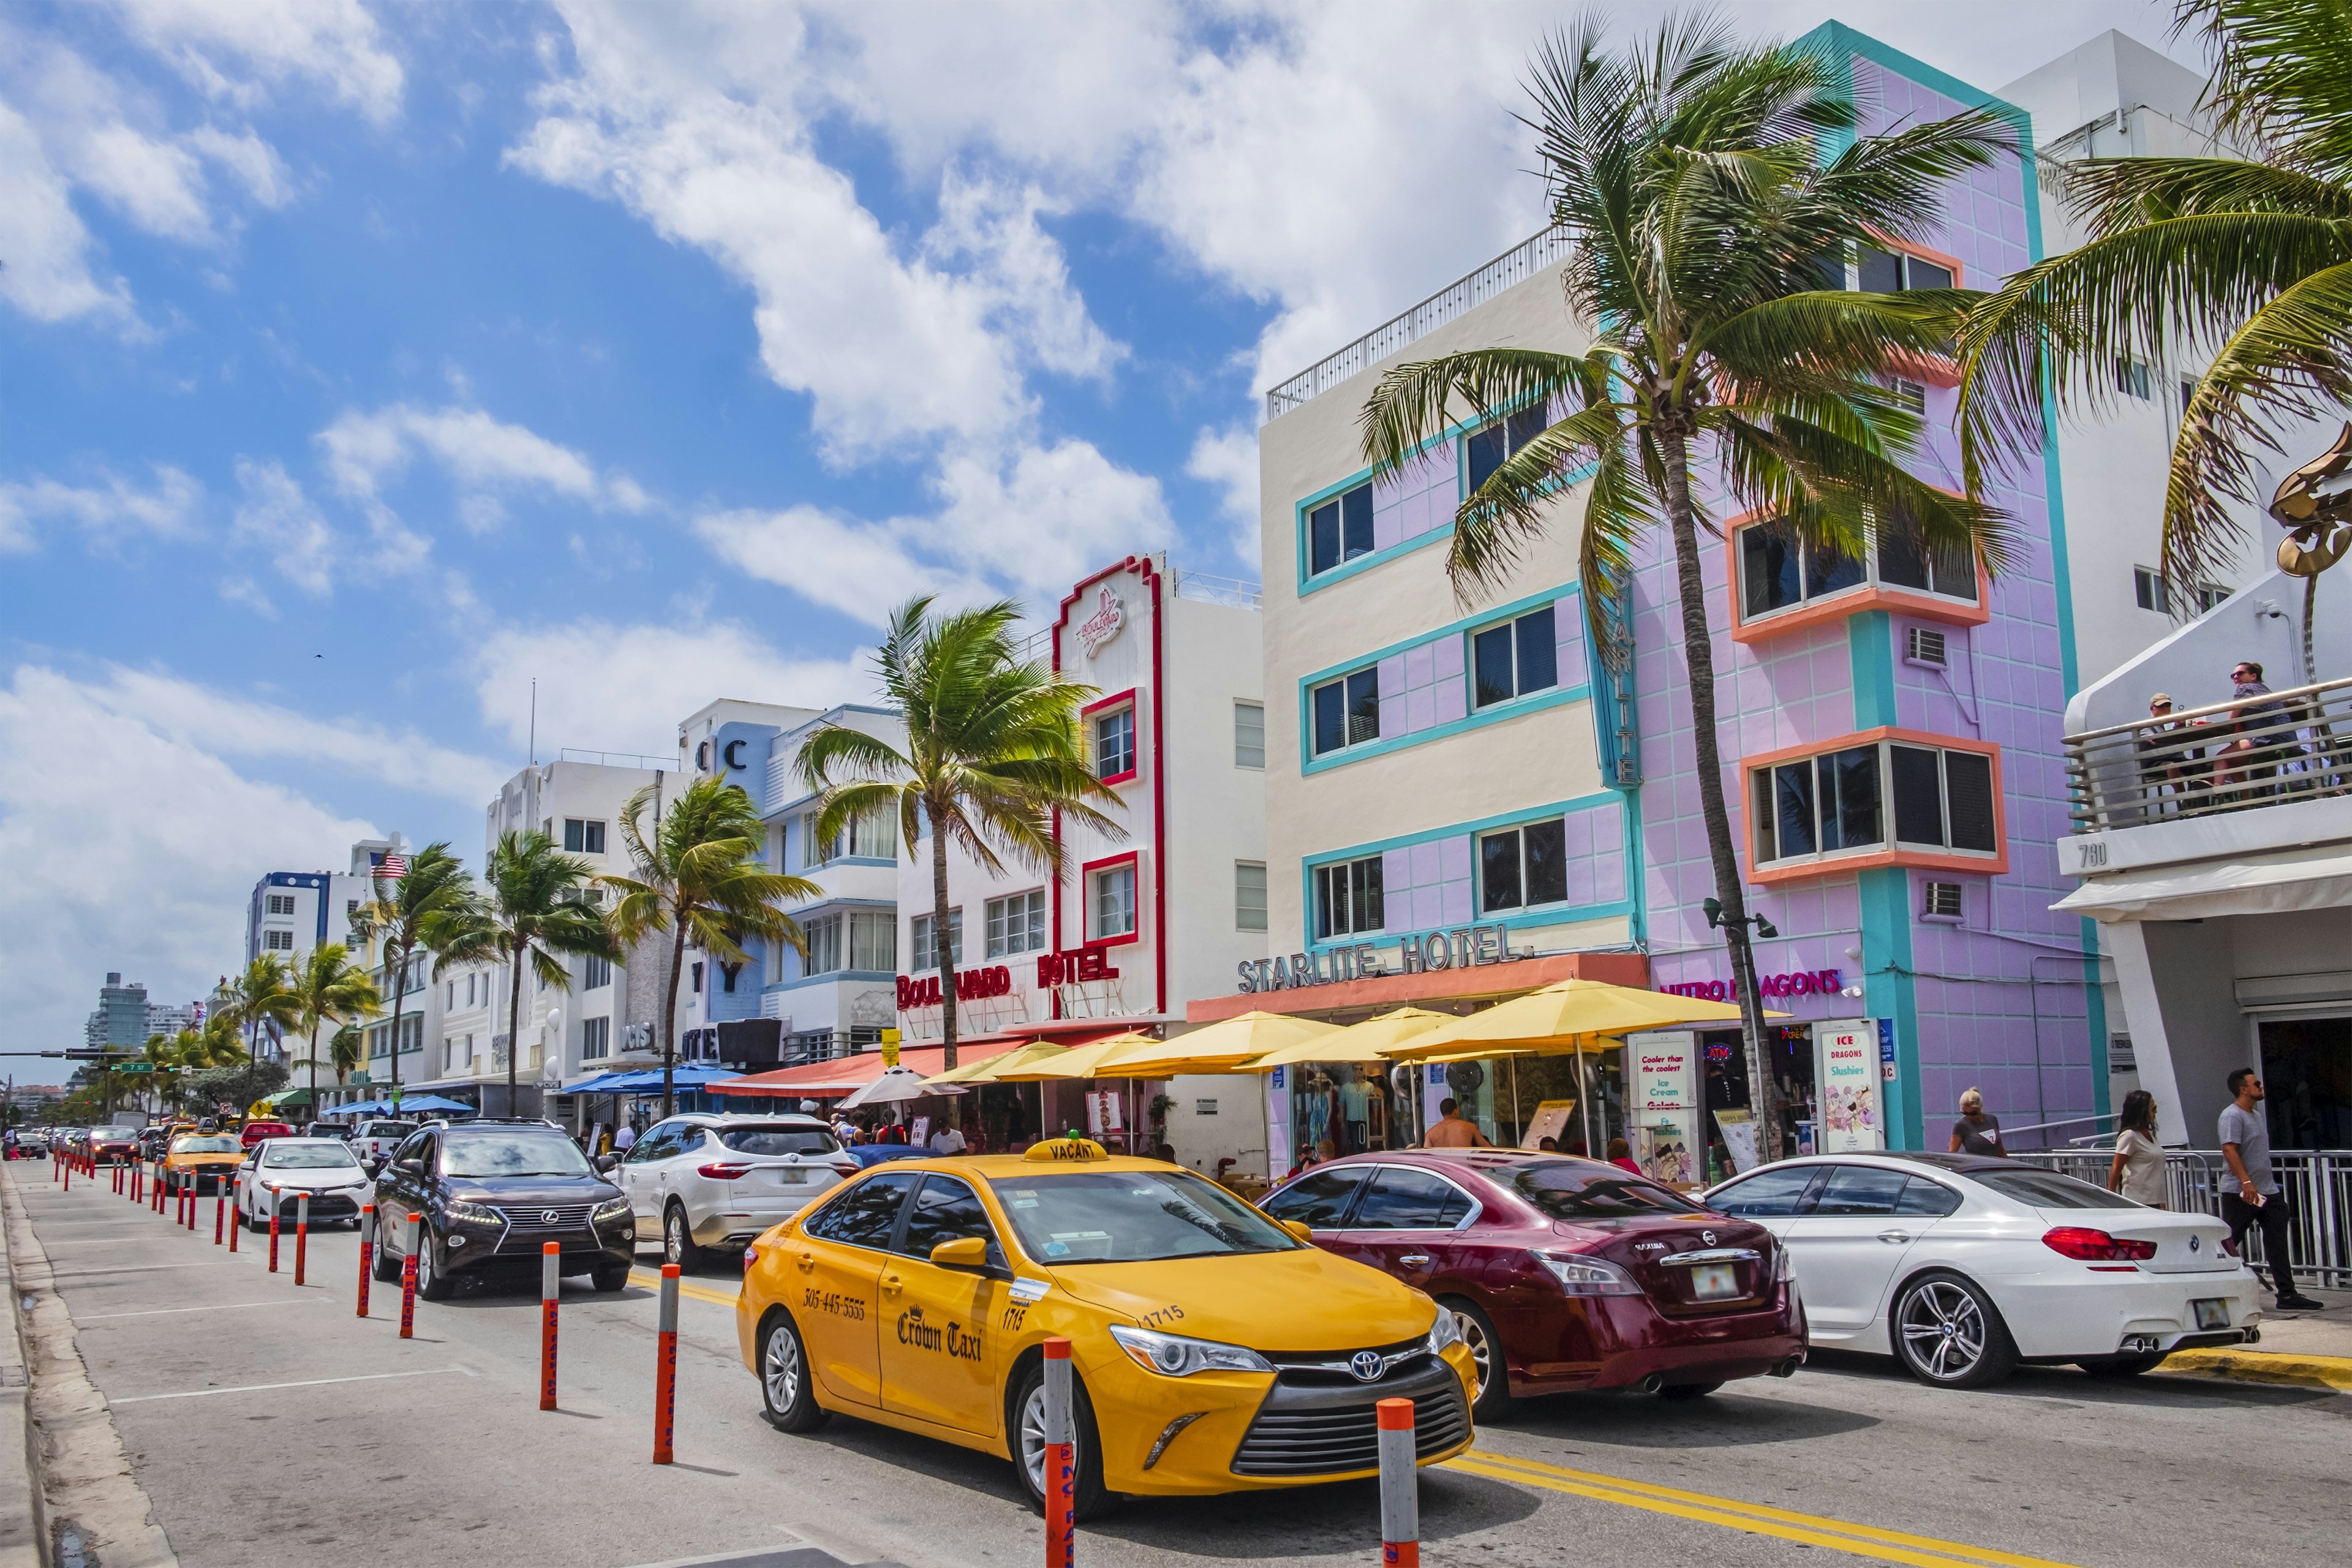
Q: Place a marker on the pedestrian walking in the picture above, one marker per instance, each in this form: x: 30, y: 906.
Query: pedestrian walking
x: 2137, y: 1169
x: 626, y: 1138
x: 2259, y: 1200
x: 1975, y: 1133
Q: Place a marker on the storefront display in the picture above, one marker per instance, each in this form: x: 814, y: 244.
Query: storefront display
x: 1845, y: 1056
x: 1665, y: 1135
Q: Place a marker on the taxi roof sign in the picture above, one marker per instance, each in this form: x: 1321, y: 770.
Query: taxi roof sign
x: 1053, y: 1151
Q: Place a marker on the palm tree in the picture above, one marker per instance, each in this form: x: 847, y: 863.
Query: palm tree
x: 328, y: 987
x: 2253, y: 253
x: 415, y: 912
x: 995, y: 752
x: 536, y: 909
x: 703, y: 877
x: 261, y: 996
x: 1714, y: 192
x: 346, y: 1049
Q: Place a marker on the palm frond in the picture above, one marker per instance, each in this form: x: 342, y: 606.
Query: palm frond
x: 2281, y: 77
x: 1414, y: 405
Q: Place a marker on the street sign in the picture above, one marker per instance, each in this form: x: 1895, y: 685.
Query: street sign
x: 136, y: 1067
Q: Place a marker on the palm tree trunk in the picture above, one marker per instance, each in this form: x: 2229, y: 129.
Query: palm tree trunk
x: 314, y: 1067
x: 669, y: 1022
x: 399, y: 979
x: 514, y: 1021
x: 943, y: 948
x: 1698, y: 656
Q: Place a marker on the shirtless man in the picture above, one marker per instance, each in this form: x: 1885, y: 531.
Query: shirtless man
x: 1450, y: 1132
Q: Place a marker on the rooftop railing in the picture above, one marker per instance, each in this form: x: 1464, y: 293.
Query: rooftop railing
x: 1514, y: 267
x: 2228, y: 756
x: 1203, y: 588
x: 617, y: 759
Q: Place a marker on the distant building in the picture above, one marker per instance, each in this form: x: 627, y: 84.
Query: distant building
x: 121, y: 1015
x: 171, y: 1017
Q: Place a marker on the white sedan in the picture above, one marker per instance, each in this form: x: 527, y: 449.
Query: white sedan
x: 283, y: 1169
x: 1962, y: 1267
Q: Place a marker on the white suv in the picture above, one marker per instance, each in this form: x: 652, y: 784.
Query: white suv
x: 709, y: 1181
x: 372, y: 1140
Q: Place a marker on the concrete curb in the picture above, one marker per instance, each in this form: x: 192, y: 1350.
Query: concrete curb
x: 2265, y: 1367
x: 84, y: 1476
x: 23, y: 1523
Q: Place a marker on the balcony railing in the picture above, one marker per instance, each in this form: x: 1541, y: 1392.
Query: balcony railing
x: 2201, y: 761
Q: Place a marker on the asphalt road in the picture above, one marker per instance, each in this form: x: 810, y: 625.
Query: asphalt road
x: 265, y: 1420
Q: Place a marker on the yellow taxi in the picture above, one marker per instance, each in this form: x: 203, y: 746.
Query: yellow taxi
x: 1216, y: 1351
x: 204, y: 1161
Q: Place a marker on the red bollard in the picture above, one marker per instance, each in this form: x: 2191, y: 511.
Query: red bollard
x: 138, y: 1189
x: 551, y: 1286
x: 666, y: 1366
x: 68, y: 1177
x: 236, y: 1220
x: 220, y: 1209
x: 1061, y: 1471
x: 301, y: 1233
x: 409, y: 1280
x: 1400, y: 1485
x: 367, y: 1252
x: 273, y: 1230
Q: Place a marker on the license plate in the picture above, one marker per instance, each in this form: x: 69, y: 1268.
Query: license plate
x: 1714, y: 1281
x: 2212, y: 1314
x: 791, y: 1178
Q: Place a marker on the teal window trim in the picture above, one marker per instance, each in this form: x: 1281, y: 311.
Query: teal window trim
x: 1473, y: 716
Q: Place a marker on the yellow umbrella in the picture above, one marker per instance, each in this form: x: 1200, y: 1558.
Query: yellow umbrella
x: 1076, y: 1062
x: 1563, y: 1017
x: 1369, y: 1041
x: 986, y: 1072
x: 1222, y: 1047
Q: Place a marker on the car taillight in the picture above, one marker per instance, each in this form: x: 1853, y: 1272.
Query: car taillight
x: 2088, y: 1246
x: 723, y: 1173
x: 751, y: 1257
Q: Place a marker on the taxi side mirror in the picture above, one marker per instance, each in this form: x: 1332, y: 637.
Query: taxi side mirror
x: 1298, y: 1228
x: 965, y: 1252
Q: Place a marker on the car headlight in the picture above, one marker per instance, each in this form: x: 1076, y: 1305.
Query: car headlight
x: 616, y: 1210
x: 472, y: 1214
x: 1173, y: 1355
x: 1581, y: 1275
x: 1445, y: 1331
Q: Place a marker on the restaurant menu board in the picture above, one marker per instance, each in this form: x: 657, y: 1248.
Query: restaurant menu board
x: 1103, y: 1113
x: 1551, y: 1122
x: 1845, y: 1071
x: 1666, y: 1109
x: 1739, y: 1130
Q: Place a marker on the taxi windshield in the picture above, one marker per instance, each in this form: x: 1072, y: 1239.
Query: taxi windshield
x: 1131, y: 1217
x: 192, y: 1145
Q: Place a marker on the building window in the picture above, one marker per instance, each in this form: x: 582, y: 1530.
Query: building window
x: 277, y: 942
x: 1514, y: 658
x: 582, y: 837
x: 1348, y: 898
x: 2134, y: 379
x: 1778, y: 571
x: 1348, y: 710
x: 282, y: 903
x: 1838, y: 802
x: 351, y: 910
x: 596, y: 1039
x: 596, y: 971
x: 823, y: 940
x: 1249, y: 895
x: 1017, y: 924
x: 862, y: 837
x: 925, y: 952
x: 1110, y: 902
x: 1523, y: 866
x: 873, y: 941
x: 1249, y: 734
x: 1485, y: 450
x: 1895, y: 271
x: 1115, y: 744
x: 2151, y: 592
x: 1340, y: 530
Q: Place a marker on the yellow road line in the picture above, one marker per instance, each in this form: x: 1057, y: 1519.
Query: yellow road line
x: 652, y: 1281
x: 1812, y: 1530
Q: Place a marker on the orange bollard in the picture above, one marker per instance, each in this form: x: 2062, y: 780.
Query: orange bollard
x: 273, y: 1230
x: 220, y: 1210
x: 68, y: 1178
x: 301, y: 1233
x: 666, y: 1367
x: 408, y: 1280
x: 1061, y: 1474
x: 367, y: 1252
x: 550, y: 1287
x: 236, y: 1220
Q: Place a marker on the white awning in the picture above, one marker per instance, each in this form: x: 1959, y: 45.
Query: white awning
x: 2256, y: 885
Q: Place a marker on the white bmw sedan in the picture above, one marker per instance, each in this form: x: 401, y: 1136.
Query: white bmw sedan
x: 1962, y: 1267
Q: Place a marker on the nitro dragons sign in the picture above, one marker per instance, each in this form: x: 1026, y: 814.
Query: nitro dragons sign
x: 1109, y: 619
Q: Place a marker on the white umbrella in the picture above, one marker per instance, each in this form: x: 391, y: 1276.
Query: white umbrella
x: 895, y: 1087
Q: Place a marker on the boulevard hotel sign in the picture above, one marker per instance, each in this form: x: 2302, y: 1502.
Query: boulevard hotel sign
x: 1461, y: 947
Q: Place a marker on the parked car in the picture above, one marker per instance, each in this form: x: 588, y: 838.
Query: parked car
x: 375, y: 1139
x: 491, y: 1192
x: 282, y: 1169
x: 706, y: 1182
x: 254, y: 1131
x: 1963, y: 1266
x: 114, y: 1146
x: 204, y: 1160
x: 1562, y: 1273
x: 337, y: 1131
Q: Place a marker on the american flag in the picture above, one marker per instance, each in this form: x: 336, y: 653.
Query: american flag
x: 391, y: 868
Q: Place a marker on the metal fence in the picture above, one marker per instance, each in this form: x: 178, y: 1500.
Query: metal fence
x: 2317, y: 1184
x: 2199, y: 762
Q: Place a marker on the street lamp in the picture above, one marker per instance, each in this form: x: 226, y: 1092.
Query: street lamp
x: 1714, y: 908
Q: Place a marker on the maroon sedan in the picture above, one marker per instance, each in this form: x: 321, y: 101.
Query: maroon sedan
x: 1563, y: 1273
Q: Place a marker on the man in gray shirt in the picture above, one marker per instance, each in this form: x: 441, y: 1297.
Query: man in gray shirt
x: 2250, y: 1192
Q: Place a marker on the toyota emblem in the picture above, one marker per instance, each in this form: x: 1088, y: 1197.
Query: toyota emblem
x: 548, y: 1217
x: 1366, y: 1366
x: 1707, y: 1237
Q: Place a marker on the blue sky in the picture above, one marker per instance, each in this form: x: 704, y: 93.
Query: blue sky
x: 361, y: 360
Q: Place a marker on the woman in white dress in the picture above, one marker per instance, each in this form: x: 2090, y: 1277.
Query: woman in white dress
x: 2138, y: 1170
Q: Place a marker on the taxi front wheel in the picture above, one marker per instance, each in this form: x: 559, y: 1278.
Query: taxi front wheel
x: 1092, y: 1499
x: 790, y: 1403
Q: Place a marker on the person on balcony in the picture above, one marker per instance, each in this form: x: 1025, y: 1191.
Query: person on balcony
x: 2264, y: 734
x: 2168, y: 765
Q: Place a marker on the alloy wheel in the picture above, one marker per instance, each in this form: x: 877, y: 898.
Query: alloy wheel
x: 674, y: 1238
x: 1943, y: 1330
x: 780, y: 1370
x: 424, y: 1265
x: 1033, y: 1439
x: 1482, y: 1352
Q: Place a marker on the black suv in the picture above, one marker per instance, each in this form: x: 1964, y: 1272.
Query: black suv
x: 490, y: 1192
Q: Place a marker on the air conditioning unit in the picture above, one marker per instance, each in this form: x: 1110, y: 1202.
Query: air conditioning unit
x: 1942, y: 901
x: 1925, y: 645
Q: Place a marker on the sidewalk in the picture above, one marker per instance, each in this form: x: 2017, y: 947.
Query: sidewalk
x: 21, y: 1526
x: 2306, y: 1348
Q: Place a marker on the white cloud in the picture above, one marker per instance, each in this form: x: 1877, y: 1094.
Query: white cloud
x: 1227, y: 461
x: 238, y: 50
x: 159, y: 892
x: 608, y: 686
x: 1046, y: 516
x: 825, y: 558
x: 482, y: 456
x: 254, y: 163
x: 278, y: 520
x: 105, y: 511
x: 47, y: 249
